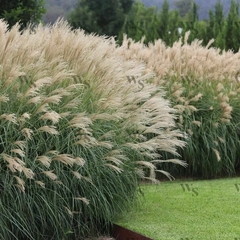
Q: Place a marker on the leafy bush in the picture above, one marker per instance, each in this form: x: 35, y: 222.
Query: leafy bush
x: 76, y: 136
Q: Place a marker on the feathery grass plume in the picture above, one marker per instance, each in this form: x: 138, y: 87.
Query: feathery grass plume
x: 27, y: 132
x: 45, y: 160
x: 52, y: 116
x: 20, y: 183
x: 4, y: 99
x: 49, y: 129
x: 28, y: 173
x: 50, y: 174
x: 80, y: 125
x: 40, y: 183
x: 202, y: 83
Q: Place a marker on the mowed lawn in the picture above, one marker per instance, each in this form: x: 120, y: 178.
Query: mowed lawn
x: 188, y: 210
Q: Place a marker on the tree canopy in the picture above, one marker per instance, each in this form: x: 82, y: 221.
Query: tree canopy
x: 22, y: 11
x: 100, y: 16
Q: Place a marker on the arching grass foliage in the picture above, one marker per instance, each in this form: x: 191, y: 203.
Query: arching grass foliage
x: 76, y: 135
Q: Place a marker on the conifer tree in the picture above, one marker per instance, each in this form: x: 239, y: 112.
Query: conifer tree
x: 174, y: 25
x: 211, y: 25
x: 163, y: 29
x: 232, y: 34
x: 141, y: 22
x: 219, y: 24
x: 219, y: 17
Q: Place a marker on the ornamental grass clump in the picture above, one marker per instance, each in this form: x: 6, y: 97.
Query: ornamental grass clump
x: 76, y: 135
x: 202, y: 83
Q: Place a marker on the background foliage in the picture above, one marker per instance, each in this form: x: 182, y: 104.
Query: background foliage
x: 170, y: 25
x: 62, y: 7
x: 101, y: 17
x: 25, y: 11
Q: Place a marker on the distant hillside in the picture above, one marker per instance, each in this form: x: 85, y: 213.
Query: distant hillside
x: 56, y: 8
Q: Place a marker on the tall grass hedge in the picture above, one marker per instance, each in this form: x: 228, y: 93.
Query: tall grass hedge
x: 76, y: 136
x: 202, y: 84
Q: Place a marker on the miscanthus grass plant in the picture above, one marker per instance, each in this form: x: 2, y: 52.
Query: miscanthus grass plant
x: 76, y: 136
x: 202, y: 84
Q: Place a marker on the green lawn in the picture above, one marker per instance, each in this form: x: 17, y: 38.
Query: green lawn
x: 188, y: 210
